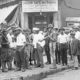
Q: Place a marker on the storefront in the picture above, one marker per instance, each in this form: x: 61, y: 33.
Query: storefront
x: 72, y: 21
x: 39, y: 13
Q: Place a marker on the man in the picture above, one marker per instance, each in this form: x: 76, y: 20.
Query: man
x: 47, y: 43
x: 10, y: 37
x: 5, y: 58
x: 77, y: 36
x: 62, y: 40
x: 53, y: 40
x: 75, y: 50
x: 20, y: 55
x: 35, y: 41
x: 40, y: 47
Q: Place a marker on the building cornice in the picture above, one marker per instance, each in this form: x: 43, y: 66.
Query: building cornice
x: 6, y: 3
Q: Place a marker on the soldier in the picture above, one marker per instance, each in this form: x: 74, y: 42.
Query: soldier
x: 47, y: 44
x: 53, y: 39
x: 40, y: 47
x: 4, y: 51
x: 35, y: 40
x: 75, y: 50
x: 0, y: 48
x: 62, y: 40
x: 27, y: 48
x: 12, y: 46
x: 20, y: 54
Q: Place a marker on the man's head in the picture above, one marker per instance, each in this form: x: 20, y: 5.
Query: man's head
x: 72, y: 34
x: 17, y: 31
x: 35, y: 30
x: 62, y: 30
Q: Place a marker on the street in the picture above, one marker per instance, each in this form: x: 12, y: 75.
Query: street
x: 65, y: 75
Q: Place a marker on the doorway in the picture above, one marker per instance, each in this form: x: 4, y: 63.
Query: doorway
x: 40, y: 21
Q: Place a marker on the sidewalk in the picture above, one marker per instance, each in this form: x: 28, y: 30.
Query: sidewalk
x: 34, y: 74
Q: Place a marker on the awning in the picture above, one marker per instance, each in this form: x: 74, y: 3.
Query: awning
x: 73, y: 3
x: 4, y: 12
x: 73, y: 19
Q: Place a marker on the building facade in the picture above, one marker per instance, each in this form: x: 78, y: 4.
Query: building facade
x: 39, y: 13
x: 69, y: 11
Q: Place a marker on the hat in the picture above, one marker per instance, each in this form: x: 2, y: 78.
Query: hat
x: 4, y: 22
x: 35, y: 29
x: 72, y: 33
x: 8, y: 28
x: 56, y: 28
x: 50, y: 26
x: 62, y: 29
x: 75, y: 27
x: 16, y: 29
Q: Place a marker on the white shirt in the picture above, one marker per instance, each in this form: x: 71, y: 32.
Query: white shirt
x: 41, y: 37
x: 12, y: 44
x: 77, y: 35
x: 62, y: 38
x: 35, y: 40
x: 21, y: 39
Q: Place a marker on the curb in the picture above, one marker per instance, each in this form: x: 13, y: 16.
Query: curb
x: 41, y: 75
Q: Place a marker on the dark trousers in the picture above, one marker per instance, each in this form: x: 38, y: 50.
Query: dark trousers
x: 0, y: 58
x: 5, y: 58
x: 63, y: 52
x: 35, y: 52
x: 58, y: 55
x: 47, y: 52
x: 40, y: 55
x: 20, y: 58
x: 78, y: 59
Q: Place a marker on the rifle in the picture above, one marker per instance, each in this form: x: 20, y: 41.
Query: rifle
x: 26, y: 45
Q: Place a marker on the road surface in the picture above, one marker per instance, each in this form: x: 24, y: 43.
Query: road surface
x: 65, y: 75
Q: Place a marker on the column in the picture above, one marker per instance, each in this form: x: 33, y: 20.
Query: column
x: 22, y: 20
x: 55, y: 19
x: 26, y: 25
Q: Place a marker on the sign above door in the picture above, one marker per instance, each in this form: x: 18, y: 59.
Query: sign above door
x: 40, y: 6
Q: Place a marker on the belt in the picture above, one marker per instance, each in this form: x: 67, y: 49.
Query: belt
x: 62, y: 43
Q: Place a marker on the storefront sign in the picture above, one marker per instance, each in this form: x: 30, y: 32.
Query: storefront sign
x: 40, y: 6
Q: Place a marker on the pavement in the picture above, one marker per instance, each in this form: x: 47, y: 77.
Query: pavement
x: 34, y: 74
x: 70, y: 74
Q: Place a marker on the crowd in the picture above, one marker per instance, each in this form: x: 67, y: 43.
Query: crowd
x: 24, y: 48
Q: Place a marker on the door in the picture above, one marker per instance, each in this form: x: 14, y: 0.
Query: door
x: 41, y: 21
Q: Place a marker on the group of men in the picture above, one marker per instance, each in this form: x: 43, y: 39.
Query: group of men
x: 23, y: 48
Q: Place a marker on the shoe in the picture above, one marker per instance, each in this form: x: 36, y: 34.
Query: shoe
x: 47, y: 63
x: 37, y: 65
x: 17, y: 69
x: 23, y: 70
x: 76, y: 68
x: 42, y: 66
x: 29, y: 68
x: 4, y: 70
x: 10, y: 69
x: 53, y: 67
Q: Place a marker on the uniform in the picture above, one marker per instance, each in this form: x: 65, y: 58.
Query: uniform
x: 47, y: 50
x: 77, y: 36
x: 35, y: 51
x: 62, y: 40
x: 53, y: 37
x: 5, y: 58
x: 20, y: 54
x: 12, y: 47
x: 40, y: 47
x: 75, y: 51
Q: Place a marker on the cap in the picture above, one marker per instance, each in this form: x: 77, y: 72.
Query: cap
x: 35, y: 29
x: 56, y: 28
x: 17, y: 29
x: 72, y: 33
x: 62, y: 29
x: 50, y: 26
